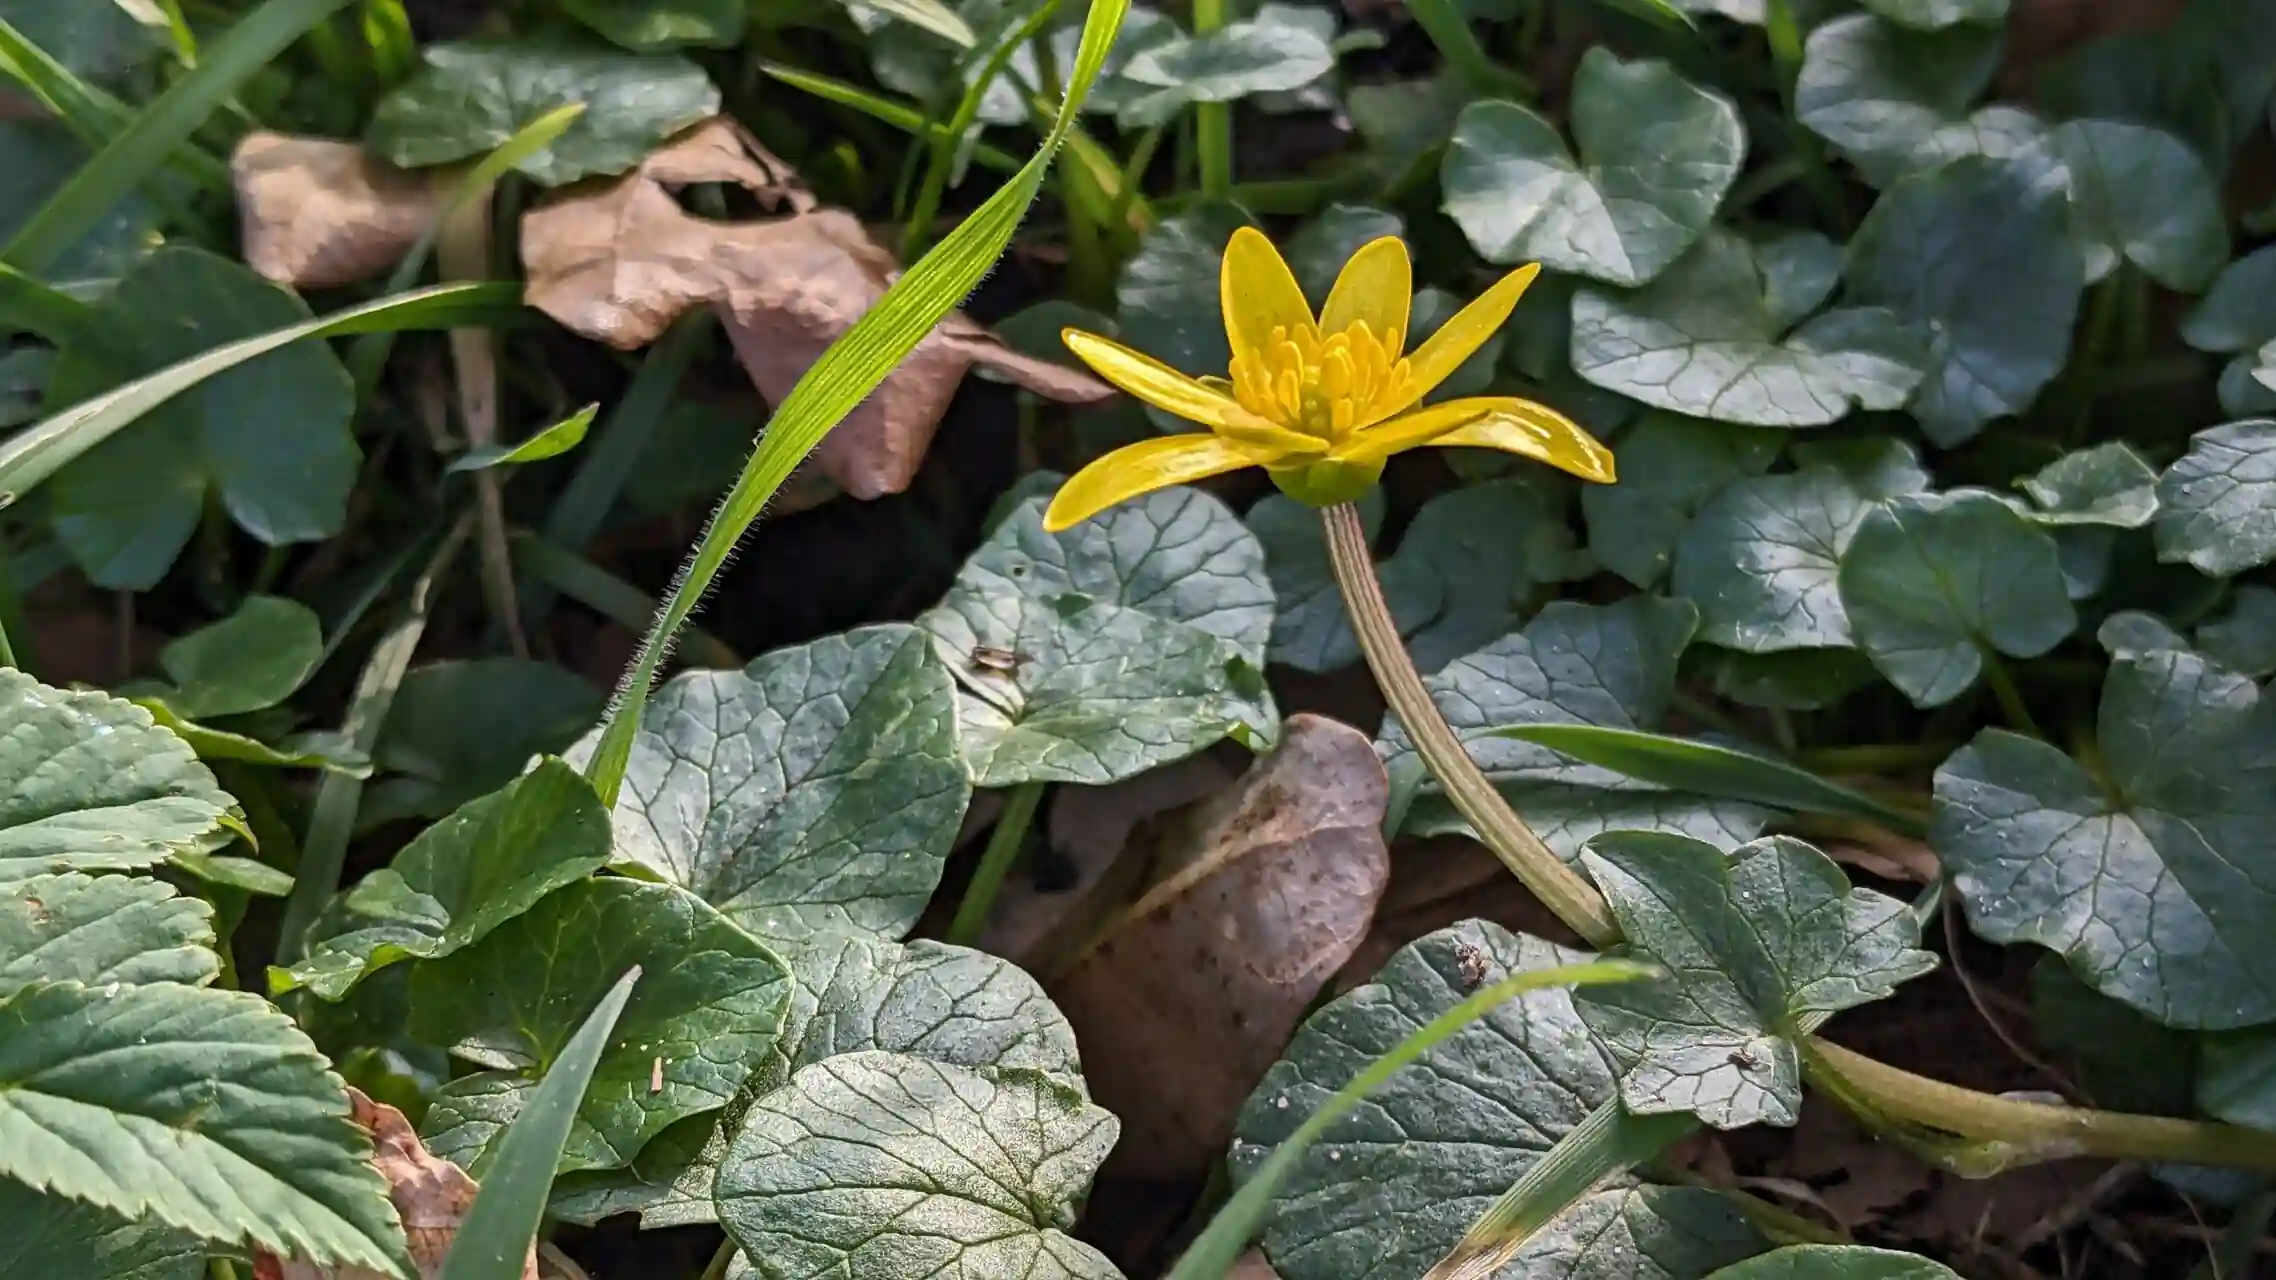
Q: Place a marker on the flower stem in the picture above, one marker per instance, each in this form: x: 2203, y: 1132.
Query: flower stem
x: 1559, y: 887
x: 1213, y: 121
x: 995, y: 863
x: 2009, y: 697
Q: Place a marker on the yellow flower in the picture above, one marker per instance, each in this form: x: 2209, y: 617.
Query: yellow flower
x: 1321, y: 403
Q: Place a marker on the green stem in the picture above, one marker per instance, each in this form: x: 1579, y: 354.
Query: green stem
x: 1450, y: 31
x: 918, y: 233
x: 995, y: 863
x: 1213, y: 121
x: 2009, y: 697
x: 1537, y: 866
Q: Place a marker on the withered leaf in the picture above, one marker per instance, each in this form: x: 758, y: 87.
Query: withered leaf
x: 1264, y: 891
x: 431, y: 1195
x: 619, y: 262
x: 318, y: 213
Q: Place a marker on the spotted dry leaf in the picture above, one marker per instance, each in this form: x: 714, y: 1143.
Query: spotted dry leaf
x: 318, y: 213
x: 431, y: 1195
x: 621, y: 261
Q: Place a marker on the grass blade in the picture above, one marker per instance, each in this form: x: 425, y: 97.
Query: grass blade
x: 494, y: 1240
x: 931, y: 15
x: 901, y: 116
x: 854, y: 366
x: 90, y: 112
x: 28, y: 306
x: 1709, y: 769
x: 42, y: 449
x: 1221, y: 1243
x: 163, y: 125
x: 608, y: 595
x: 551, y: 442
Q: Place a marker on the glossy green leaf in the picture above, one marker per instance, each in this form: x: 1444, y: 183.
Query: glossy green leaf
x: 878, y: 1163
x: 1790, y: 679
x: 50, y: 1236
x: 1387, y: 1189
x: 1263, y: 54
x: 1754, y: 942
x: 1492, y: 550
x: 1135, y: 639
x: 101, y: 42
x: 1656, y: 155
x: 1611, y: 665
x: 1762, y: 560
x: 1932, y: 582
x: 1714, y: 337
x: 1931, y: 15
x: 1310, y: 629
x: 40, y: 156
x: 460, y: 879
x: 1895, y: 101
x: 818, y: 788
x: 2120, y: 1058
x: 850, y: 994
x: 1320, y: 248
x: 655, y: 26
x: 2236, y: 1077
x: 468, y: 98
x: 1976, y: 256
x: 2238, y: 318
x: 2141, y: 195
x: 2243, y: 638
x: 2219, y: 500
x: 551, y: 442
x: 1837, y: 1261
x: 269, y: 441
x: 1670, y: 468
x: 88, y: 783
x: 1168, y: 294
x: 115, y: 929
x: 249, y: 661
x: 710, y: 1008
x: 203, y: 1110
x: 494, y: 1239
x: 2138, y: 872
x: 1686, y: 764
x: 525, y: 708
x: 2107, y: 485
x: 317, y: 749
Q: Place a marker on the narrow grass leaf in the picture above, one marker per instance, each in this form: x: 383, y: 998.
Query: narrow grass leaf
x: 95, y: 115
x: 901, y: 116
x: 552, y: 442
x: 28, y: 306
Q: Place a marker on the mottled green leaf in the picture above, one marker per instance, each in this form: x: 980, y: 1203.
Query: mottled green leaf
x: 1976, y: 256
x: 1491, y: 548
x: 1838, y: 1261
x: 1135, y: 639
x: 526, y: 709
x: 1895, y: 101
x: 468, y: 98
x: 1753, y: 942
x: 1789, y: 679
x: 817, y: 788
x: 2141, y: 871
x: 116, y: 929
x: 878, y: 1163
x: 1264, y: 54
x: 2243, y: 638
x: 1670, y: 467
x: 2141, y: 195
x: 1391, y: 1187
x: 1762, y: 560
x: 269, y: 440
x: 1934, y: 581
x: 202, y: 1110
x: 1713, y: 338
x: 249, y: 661
x: 1168, y: 295
x: 2219, y: 500
x: 705, y: 1014
x: 654, y: 26
x: 87, y: 782
x: 50, y: 1236
x: 1311, y: 630
x: 1656, y: 155
x: 463, y: 877
x: 2106, y: 485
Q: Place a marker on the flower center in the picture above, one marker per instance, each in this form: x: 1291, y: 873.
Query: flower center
x: 1321, y: 386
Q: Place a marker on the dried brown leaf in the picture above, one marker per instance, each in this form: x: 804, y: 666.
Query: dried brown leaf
x: 431, y: 1196
x: 319, y: 213
x: 1252, y: 1266
x: 1265, y: 891
x: 620, y: 262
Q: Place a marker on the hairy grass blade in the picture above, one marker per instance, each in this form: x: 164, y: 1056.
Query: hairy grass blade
x: 494, y: 1240
x: 163, y: 125
x: 42, y: 449
x: 550, y: 442
x: 1221, y: 1243
x: 1709, y: 769
x: 854, y: 366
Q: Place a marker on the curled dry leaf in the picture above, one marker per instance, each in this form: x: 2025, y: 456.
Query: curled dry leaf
x: 621, y: 261
x: 318, y: 213
x: 431, y: 1195
x: 1263, y: 891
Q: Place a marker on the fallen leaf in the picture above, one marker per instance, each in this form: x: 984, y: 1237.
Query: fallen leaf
x: 1263, y: 892
x: 619, y: 262
x: 1252, y: 1266
x: 431, y: 1195
x: 319, y: 213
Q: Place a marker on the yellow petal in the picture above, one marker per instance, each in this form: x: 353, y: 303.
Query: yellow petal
x: 1377, y: 285
x: 1423, y: 426
x: 1258, y: 293
x: 1537, y: 432
x: 1460, y: 337
x: 1172, y: 392
x: 1140, y: 468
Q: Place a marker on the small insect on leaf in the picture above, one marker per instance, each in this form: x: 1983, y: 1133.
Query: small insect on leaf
x: 1472, y: 963
x: 656, y: 1076
x: 987, y: 657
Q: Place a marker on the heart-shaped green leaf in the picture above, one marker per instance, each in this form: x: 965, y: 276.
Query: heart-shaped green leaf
x: 1931, y: 15
x: 2243, y: 638
x: 878, y: 1163
x: 467, y: 99
x: 1753, y: 941
x: 116, y: 929
x: 2141, y: 195
x: 1387, y: 1190
x: 1717, y: 337
x: 2140, y: 871
x: 50, y: 1236
x: 1129, y: 641
x: 700, y: 1021
x: 1837, y: 1261
x: 1895, y: 101
x: 1670, y: 468
x: 2108, y: 485
x: 38, y: 155
x: 656, y: 26
x: 1265, y: 54
x: 268, y: 440
x: 1657, y: 154
x: 1311, y: 630
x: 1490, y: 549
x: 526, y: 709
x: 2219, y: 500
x: 249, y: 661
